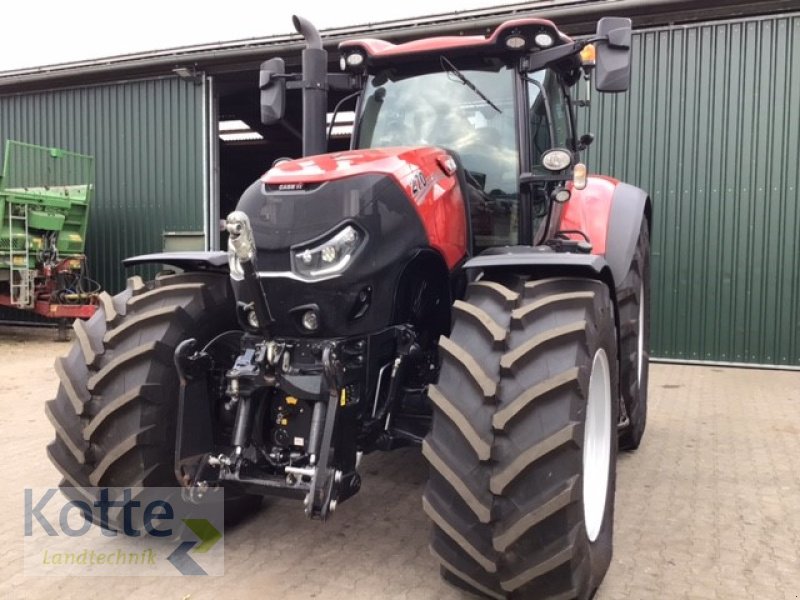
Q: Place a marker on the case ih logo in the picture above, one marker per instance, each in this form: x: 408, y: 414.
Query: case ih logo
x: 290, y: 187
x: 122, y: 531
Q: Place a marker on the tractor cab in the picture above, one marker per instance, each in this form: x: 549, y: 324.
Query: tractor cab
x: 409, y: 107
x: 500, y: 105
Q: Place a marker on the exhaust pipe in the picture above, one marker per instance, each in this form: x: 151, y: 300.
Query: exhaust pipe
x: 315, y: 88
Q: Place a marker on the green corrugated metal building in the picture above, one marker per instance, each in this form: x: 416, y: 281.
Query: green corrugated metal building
x: 148, y: 139
x: 711, y: 128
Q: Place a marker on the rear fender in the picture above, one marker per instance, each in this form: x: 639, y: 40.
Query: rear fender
x: 629, y: 206
x: 188, y: 261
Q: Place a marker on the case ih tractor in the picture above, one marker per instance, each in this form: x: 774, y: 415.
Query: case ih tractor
x: 454, y: 281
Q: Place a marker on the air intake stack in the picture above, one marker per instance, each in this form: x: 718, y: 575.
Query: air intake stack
x: 315, y: 88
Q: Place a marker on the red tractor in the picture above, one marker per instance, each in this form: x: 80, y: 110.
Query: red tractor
x: 454, y: 281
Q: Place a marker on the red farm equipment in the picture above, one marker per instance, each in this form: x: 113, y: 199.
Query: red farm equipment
x: 456, y: 280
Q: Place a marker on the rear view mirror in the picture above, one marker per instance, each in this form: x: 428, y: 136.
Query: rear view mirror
x: 272, y: 83
x: 613, y: 68
x: 585, y: 141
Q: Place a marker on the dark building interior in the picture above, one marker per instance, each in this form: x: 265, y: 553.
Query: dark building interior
x: 242, y: 161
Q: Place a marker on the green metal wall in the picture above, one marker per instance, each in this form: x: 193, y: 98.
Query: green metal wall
x: 147, y: 139
x: 711, y: 128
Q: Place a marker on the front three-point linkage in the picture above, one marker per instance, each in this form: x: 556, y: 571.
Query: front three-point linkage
x: 247, y: 377
x: 197, y: 466
x: 333, y: 477
x: 327, y: 474
x: 194, y: 436
x: 330, y: 483
x: 250, y: 372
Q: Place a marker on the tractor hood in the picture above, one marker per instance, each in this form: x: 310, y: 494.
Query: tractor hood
x: 301, y: 201
x: 301, y: 205
x: 298, y: 200
x: 398, y: 201
x: 410, y: 167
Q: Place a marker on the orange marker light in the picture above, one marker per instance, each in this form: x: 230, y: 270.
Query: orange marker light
x: 588, y: 55
x: 579, y: 175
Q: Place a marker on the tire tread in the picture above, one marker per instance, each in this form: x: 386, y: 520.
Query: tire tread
x: 535, y: 539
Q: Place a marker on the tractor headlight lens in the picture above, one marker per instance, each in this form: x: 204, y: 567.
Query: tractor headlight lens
x: 328, y: 254
x: 561, y: 195
x: 328, y: 258
x: 556, y: 159
x: 515, y: 41
x: 355, y: 59
x: 543, y: 40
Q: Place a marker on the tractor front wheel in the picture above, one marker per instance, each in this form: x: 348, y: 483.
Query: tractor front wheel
x: 523, y: 445
x: 115, y: 410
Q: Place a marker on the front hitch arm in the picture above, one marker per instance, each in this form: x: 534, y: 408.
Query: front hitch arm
x: 194, y: 436
x: 329, y: 485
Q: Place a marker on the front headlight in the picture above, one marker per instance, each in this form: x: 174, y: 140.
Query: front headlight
x: 327, y: 258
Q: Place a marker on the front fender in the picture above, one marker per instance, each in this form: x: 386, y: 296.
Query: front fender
x: 543, y: 262
x: 188, y: 261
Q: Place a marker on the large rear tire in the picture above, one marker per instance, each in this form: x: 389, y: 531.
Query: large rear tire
x: 633, y: 297
x: 116, y: 408
x: 523, y: 444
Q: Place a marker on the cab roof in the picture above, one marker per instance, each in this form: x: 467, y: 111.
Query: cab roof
x: 380, y: 50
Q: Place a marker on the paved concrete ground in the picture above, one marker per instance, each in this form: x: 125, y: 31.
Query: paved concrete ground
x: 708, y: 507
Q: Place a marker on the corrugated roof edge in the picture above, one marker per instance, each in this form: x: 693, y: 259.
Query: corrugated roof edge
x: 573, y: 16
x: 289, y: 37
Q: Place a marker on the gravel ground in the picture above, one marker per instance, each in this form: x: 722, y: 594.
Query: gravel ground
x: 707, y: 508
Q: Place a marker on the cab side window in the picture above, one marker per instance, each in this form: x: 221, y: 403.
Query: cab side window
x: 547, y: 105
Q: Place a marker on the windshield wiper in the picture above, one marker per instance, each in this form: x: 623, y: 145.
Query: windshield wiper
x: 451, y: 68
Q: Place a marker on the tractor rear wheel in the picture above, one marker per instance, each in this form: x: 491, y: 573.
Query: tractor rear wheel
x: 115, y: 410
x: 523, y: 444
x: 633, y: 297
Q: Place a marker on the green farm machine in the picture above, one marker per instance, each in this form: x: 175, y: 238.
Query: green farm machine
x: 44, y: 209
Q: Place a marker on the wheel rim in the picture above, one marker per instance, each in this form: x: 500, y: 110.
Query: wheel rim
x: 640, y: 340
x: 597, y: 445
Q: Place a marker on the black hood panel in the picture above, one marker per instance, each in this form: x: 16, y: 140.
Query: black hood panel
x: 282, y: 219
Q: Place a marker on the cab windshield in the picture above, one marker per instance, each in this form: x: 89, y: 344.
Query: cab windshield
x: 438, y: 108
